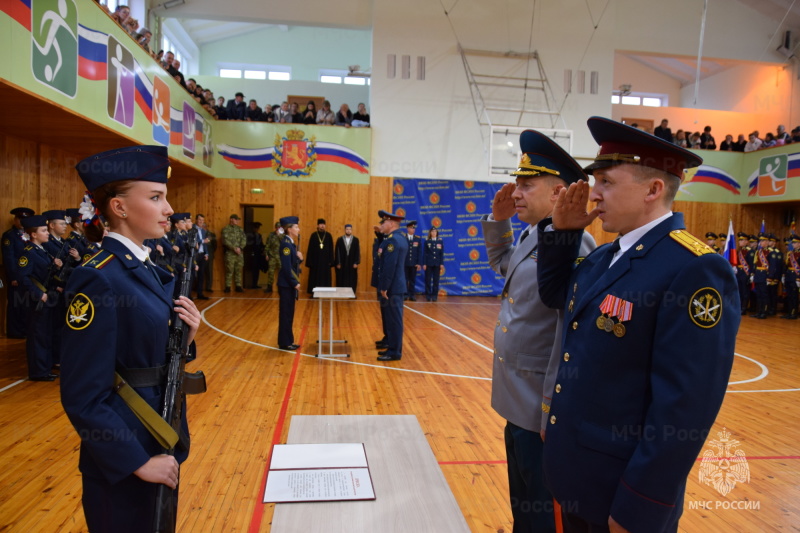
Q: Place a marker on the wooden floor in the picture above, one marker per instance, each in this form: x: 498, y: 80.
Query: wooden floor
x: 444, y: 379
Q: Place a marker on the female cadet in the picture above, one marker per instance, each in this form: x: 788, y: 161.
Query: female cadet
x: 36, y: 265
x: 118, y: 321
x: 434, y: 257
x: 288, y: 282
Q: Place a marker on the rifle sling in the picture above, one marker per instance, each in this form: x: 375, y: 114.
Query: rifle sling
x: 152, y: 421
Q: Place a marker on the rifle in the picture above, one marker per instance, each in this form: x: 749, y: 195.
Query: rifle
x: 174, y: 396
x: 50, y: 275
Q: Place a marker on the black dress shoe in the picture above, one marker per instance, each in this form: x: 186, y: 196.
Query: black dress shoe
x: 381, y: 346
x: 291, y: 347
x: 203, y: 297
x: 388, y: 358
x: 227, y: 289
x: 48, y: 377
x: 239, y: 289
x: 382, y: 341
x: 762, y: 316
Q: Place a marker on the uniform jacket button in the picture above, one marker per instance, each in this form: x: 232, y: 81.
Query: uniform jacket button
x: 575, y: 325
x: 558, y: 388
x: 553, y: 419
x: 566, y: 356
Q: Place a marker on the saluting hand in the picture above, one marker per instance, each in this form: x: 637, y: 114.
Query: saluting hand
x: 503, y: 204
x: 189, y: 314
x: 569, y: 213
x: 160, y: 469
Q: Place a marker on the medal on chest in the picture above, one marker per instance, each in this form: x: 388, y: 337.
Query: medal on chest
x: 610, y: 308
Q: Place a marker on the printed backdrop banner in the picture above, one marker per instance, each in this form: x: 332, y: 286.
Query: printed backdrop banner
x: 455, y: 208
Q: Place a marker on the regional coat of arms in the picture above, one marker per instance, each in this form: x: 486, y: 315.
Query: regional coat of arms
x: 294, y: 154
x: 728, y: 466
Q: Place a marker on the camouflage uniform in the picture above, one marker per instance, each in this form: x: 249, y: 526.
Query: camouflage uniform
x: 233, y: 237
x: 273, y: 253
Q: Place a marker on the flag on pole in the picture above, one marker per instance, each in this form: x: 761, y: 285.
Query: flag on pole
x: 792, y: 227
x: 729, y: 252
x: 763, y: 227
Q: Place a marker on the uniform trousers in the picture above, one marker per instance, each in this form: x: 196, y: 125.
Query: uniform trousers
x: 233, y: 268
x: 16, y: 311
x: 200, y: 274
x: 573, y: 523
x: 432, y: 282
x: 393, y: 310
x: 772, y: 299
x: 124, y: 507
x: 286, y: 305
x: 762, y: 297
x: 743, y: 283
x: 39, y: 343
x: 411, y: 280
x: 531, y: 502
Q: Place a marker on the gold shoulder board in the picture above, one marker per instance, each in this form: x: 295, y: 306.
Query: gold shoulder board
x: 690, y: 242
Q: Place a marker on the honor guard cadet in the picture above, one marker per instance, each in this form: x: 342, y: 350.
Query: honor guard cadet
x: 288, y: 282
x: 36, y: 265
x: 743, y: 271
x: 13, y: 242
x: 711, y: 240
x: 650, y: 324
x: 392, y: 283
x: 376, y: 257
x: 432, y: 264
x: 234, y: 240
x: 774, y: 274
x: 526, y: 335
x: 75, y: 237
x: 791, y: 278
x: 116, y: 329
x: 413, y: 261
x: 760, y: 276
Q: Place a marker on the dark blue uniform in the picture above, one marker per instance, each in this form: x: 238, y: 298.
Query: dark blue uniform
x: 118, y: 318
x: 34, y: 267
x: 773, y: 279
x: 288, y: 279
x: 376, y: 243
x: 16, y: 310
x: 78, y: 241
x: 761, y: 273
x: 413, y: 260
x: 630, y: 413
x: 434, y: 257
x: 790, y: 281
x: 743, y: 272
x: 392, y: 279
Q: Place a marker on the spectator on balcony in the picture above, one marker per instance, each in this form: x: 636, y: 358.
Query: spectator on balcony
x: 160, y: 57
x: 796, y: 135
x: 782, y: 137
x: 754, y: 142
x: 121, y: 14
x: 707, y: 141
x: 222, y: 113
x: 694, y: 140
x: 172, y: 65
x: 663, y: 131
x: 740, y: 143
x: 236, y: 108
x: 268, y: 115
x: 361, y: 117
x: 344, y: 117
x: 294, y: 111
x: 727, y: 145
x: 208, y: 97
x: 680, y: 139
x: 253, y: 112
x: 325, y: 116
x: 190, y: 85
x: 131, y: 25
x: 310, y: 114
x: 282, y: 114
x: 769, y: 141
x: 144, y: 39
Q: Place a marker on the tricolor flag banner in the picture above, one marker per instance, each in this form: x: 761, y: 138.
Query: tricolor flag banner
x: 729, y: 252
x: 92, y: 54
x: 763, y: 227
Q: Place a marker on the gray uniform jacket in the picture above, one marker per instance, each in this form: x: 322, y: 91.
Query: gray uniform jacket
x: 526, y: 331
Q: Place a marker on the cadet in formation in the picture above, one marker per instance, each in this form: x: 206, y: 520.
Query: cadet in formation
x: 288, y: 282
x: 392, y: 283
x: 413, y: 260
x: 13, y: 243
x: 432, y: 264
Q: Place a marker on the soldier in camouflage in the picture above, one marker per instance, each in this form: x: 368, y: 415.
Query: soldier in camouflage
x: 233, y: 239
x: 273, y: 254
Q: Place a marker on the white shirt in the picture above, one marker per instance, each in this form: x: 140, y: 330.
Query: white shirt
x: 632, y: 237
x: 139, y: 252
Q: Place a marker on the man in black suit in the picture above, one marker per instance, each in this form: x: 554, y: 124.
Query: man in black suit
x: 236, y: 108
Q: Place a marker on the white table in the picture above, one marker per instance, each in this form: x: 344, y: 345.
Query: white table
x: 330, y: 294
x: 411, y: 493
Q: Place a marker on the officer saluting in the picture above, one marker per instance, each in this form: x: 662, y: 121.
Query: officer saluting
x: 633, y: 399
x: 392, y: 283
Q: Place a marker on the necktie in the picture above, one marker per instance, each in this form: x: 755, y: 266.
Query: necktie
x: 524, y: 235
x: 606, y: 261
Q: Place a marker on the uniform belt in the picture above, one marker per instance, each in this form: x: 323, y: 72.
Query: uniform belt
x: 144, y: 377
x: 152, y: 421
x: 762, y: 268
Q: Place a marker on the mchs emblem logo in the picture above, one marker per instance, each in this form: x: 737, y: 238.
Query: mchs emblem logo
x: 294, y: 155
x: 725, y: 467
x: 472, y: 231
x: 398, y: 189
x: 434, y: 198
x: 436, y: 222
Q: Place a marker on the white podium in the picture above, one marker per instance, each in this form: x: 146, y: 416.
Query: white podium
x: 331, y: 294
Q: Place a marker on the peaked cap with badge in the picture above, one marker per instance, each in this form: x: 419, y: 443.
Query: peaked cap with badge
x: 542, y: 156
x: 631, y: 338
x: 141, y: 163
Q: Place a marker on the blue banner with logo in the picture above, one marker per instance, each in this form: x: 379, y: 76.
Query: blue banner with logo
x: 454, y: 208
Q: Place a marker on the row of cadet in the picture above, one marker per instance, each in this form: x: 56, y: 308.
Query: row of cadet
x: 765, y: 273
x: 344, y: 257
x: 40, y: 253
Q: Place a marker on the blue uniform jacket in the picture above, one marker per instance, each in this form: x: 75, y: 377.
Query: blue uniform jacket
x: 289, y: 275
x: 630, y: 414
x: 391, y: 274
x: 118, y: 316
x: 434, y: 252
x: 13, y: 244
x: 414, y: 246
x: 34, y: 265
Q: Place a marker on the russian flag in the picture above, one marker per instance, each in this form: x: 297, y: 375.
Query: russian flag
x: 729, y: 252
x: 144, y: 92
x: 246, y: 158
x: 794, y: 165
x: 92, y: 54
x: 716, y: 176
x: 19, y: 10
x: 198, y: 130
x: 336, y: 153
x: 175, y: 126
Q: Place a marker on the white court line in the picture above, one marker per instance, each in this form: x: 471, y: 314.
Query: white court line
x: 764, y: 372
x: 451, y: 329
x: 13, y: 385
x: 203, y: 315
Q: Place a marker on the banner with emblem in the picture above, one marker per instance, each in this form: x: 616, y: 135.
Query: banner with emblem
x: 454, y: 208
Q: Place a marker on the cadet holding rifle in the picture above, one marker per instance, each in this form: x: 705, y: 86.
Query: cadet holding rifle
x: 114, y: 361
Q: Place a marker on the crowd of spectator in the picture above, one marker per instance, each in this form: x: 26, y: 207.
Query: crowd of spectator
x: 235, y: 108
x: 706, y: 141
